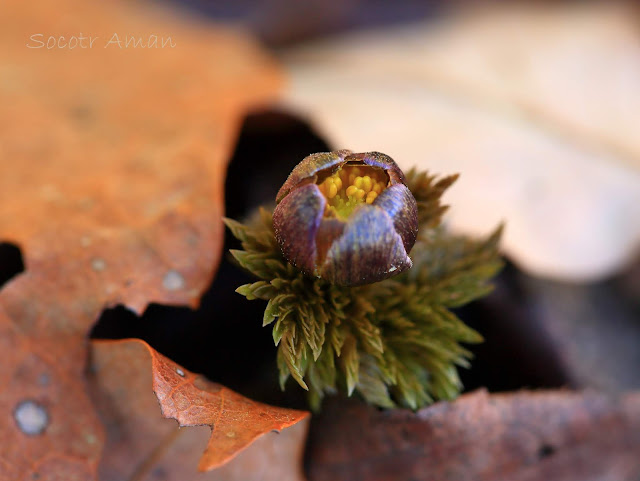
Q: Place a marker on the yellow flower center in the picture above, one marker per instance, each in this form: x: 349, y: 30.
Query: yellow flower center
x: 351, y: 186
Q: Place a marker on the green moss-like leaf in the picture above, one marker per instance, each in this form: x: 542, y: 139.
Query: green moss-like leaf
x: 427, y: 192
x: 395, y: 342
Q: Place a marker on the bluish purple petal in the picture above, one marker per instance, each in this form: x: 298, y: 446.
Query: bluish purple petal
x: 331, y: 228
x: 370, y: 250
x: 399, y: 204
x: 295, y: 222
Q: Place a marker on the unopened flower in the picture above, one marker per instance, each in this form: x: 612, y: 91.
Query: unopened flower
x: 347, y: 218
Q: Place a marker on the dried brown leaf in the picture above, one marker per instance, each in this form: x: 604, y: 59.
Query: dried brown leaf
x: 112, y: 168
x: 139, y: 441
x: 558, y: 435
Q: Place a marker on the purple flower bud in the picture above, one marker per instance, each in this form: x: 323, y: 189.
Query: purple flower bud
x: 347, y: 218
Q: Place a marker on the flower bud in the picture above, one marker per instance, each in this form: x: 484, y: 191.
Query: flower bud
x: 347, y: 218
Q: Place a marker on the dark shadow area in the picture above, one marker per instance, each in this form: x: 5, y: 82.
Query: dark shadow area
x: 11, y: 263
x: 516, y: 353
x: 223, y: 339
x: 628, y: 285
x: 593, y: 326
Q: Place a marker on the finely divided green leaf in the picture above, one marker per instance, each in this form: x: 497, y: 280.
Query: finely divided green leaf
x: 393, y: 342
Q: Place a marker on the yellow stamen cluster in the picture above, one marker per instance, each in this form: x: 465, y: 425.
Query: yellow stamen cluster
x: 351, y: 186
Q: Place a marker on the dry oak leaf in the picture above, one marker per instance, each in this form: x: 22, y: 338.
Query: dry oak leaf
x: 112, y: 167
x: 139, y: 442
x: 522, y: 436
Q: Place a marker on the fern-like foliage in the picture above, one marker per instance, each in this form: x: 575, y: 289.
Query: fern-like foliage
x: 395, y: 342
